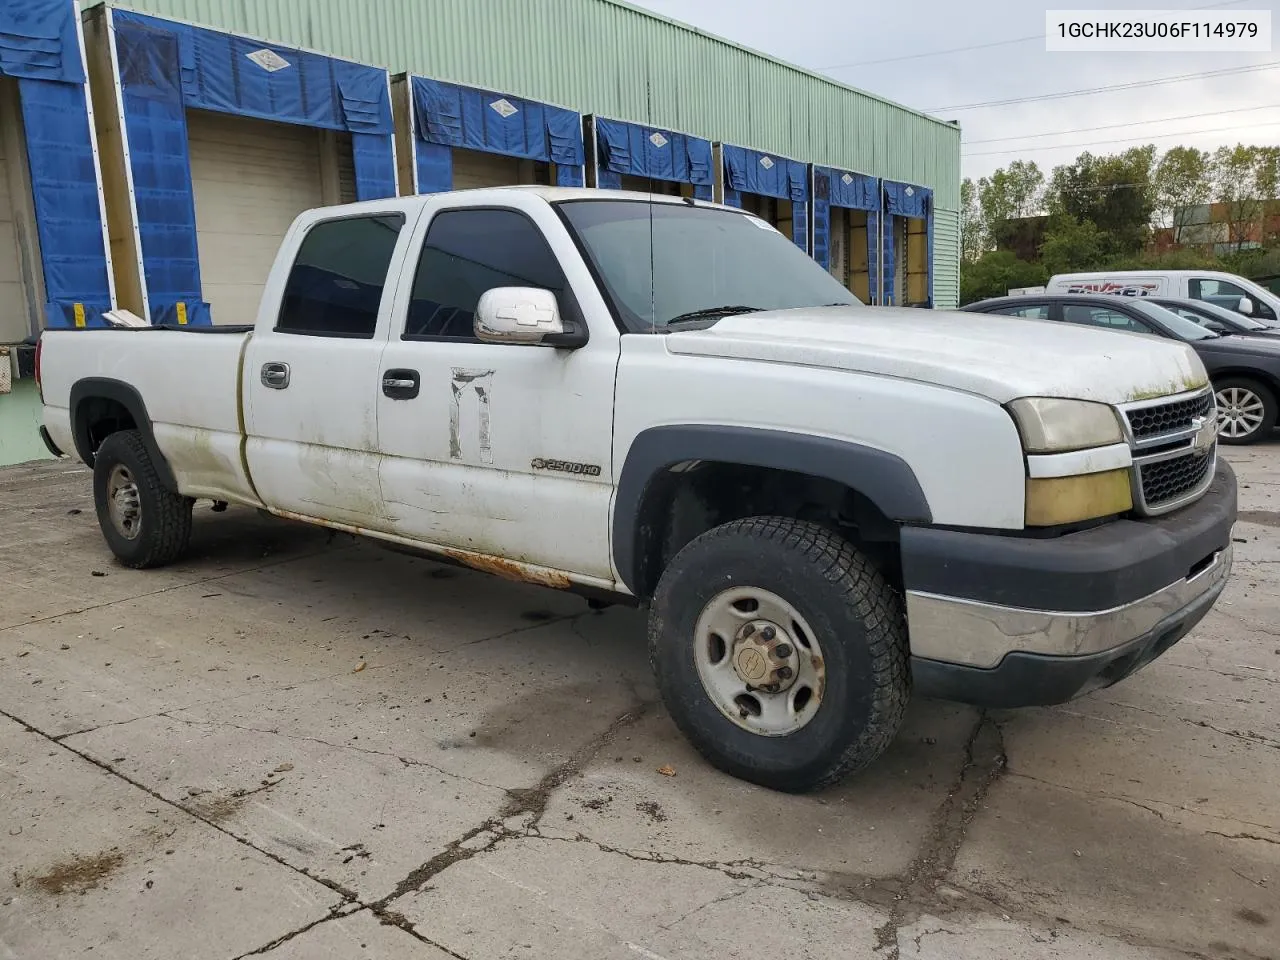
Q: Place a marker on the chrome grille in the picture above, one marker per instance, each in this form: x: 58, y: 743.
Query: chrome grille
x: 1167, y: 480
x: 1167, y: 417
x: 1174, y: 448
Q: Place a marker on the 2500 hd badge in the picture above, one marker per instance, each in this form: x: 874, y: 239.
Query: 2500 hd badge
x: 566, y: 466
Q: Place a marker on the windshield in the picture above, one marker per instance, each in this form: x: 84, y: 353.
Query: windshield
x: 660, y: 262
x: 1211, y: 311
x: 1180, y: 327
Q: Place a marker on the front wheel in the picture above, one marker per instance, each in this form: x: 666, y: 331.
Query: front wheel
x: 781, y: 652
x: 1246, y: 410
x: 144, y: 522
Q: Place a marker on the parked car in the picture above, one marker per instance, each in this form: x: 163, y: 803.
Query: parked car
x: 1224, y: 289
x: 825, y: 506
x: 1218, y: 319
x: 1245, y: 370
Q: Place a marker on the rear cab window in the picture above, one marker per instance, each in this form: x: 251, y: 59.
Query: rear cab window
x: 337, y: 280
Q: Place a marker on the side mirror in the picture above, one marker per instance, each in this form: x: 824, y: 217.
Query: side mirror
x: 1245, y: 306
x: 1213, y: 326
x: 521, y: 315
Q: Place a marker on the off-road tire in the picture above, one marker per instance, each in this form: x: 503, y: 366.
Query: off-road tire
x: 861, y: 626
x: 165, y: 526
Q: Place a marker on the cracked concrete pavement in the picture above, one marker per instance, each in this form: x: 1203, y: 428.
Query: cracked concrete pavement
x: 294, y: 745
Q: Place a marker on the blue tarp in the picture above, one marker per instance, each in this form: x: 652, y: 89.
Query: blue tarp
x: 750, y: 171
x: 854, y: 191
x: 167, y: 68
x: 38, y: 40
x: 905, y: 200
x: 39, y: 45
x: 447, y: 116
x: 629, y: 148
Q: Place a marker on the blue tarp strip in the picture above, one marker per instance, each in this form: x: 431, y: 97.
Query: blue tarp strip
x: 435, y: 168
x: 873, y: 255
x: 568, y: 176
x: 456, y: 116
x: 375, y: 165
x: 906, y: 200
x: 38, y: 40
x: 629, y: 148
x: 219, y: 71
x: 608, y: 180
x: 64, y: 187
x: 156, y: 126
x: 750, y: 171
x: 890, y: 297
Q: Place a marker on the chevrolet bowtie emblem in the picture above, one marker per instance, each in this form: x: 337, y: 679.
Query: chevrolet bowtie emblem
x: 1205, y: 435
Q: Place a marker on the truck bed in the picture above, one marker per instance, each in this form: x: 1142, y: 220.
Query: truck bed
x: 188, y: 381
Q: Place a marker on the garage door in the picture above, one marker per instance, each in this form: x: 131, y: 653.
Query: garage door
x: 472, y: 169
x: 15, y: 311
x: 250, y: 178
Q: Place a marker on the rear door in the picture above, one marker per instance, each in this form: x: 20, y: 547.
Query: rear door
x: 311, y: 369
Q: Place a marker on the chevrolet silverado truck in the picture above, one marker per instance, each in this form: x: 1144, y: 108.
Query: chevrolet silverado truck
x: 824, y: 506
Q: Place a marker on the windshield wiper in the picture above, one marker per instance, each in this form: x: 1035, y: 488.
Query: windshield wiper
x: 708, y: 313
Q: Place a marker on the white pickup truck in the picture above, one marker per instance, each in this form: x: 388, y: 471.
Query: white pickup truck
x: 664, y: 402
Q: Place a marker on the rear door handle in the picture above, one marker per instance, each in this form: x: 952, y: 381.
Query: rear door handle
x: 275, y: 375
x: 401, y: 384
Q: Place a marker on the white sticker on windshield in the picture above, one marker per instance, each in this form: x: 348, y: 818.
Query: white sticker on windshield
x: 762, y: 224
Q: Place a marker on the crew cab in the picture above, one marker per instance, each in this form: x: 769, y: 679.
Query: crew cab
x: 664, y: 402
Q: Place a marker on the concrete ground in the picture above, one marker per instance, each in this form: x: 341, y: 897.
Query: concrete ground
x: 297, y: 746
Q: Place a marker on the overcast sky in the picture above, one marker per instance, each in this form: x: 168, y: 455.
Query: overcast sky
x: 820, y: 34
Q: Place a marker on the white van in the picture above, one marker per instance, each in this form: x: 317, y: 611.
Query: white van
x: 1224, y: 289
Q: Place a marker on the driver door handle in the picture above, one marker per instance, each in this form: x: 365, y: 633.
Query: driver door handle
x: 399, y: 384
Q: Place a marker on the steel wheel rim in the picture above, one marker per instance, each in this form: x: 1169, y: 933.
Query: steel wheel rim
x: 124, y: 504
x: 1240, y: 412
x: 744, y: 642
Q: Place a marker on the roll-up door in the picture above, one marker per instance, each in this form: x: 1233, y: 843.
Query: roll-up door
x: 472, y: 169
x: 251, y: 178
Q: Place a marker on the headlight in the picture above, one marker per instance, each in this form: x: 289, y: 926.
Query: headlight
x: 1050, y: 425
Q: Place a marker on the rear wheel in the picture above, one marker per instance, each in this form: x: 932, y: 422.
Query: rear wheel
x: 781, y: 652
x: 1246, y: 410
x: 144, y: 523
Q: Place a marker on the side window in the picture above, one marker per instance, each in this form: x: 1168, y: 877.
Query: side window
x: 1228, y: 295
x: 335, y: 286
x: 466, y: 253
x: 1102, y: 317
x: 1039, y: 311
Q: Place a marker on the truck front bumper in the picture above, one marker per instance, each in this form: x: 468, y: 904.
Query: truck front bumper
x: 1005, y: 621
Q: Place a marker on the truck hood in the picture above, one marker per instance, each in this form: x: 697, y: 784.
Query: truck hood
x: 1001, y: 358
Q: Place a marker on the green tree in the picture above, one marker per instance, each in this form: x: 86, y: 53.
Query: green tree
x: 1071, y: 245
x: 995, y: 273
x: 1244, y: 178
x: 973, y: 240
x: 1114, y: 193
x: 1180, y: 181
x: 1011, y: 193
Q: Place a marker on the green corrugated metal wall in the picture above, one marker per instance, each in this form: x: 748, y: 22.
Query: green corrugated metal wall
x: 607, y: 57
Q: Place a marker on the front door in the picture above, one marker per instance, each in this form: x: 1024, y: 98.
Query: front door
x: 496, y: 449
x: 311, y: 384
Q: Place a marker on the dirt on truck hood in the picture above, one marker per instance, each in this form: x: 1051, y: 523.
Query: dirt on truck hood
x: 1001, y: 358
